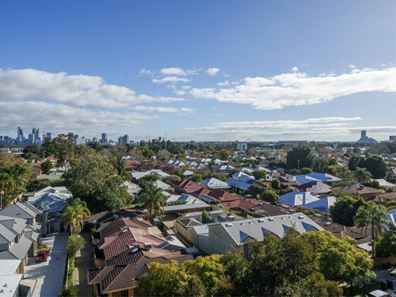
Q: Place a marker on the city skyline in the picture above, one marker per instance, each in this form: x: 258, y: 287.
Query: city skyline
x: 265, y: 71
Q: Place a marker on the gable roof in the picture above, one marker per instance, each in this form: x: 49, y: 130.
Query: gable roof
x: 20, y: 210
x: 214, y: 183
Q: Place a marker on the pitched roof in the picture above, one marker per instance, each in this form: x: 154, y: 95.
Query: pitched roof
x: 214, y: 183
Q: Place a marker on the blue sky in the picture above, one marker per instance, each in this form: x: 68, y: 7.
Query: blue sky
x: 204, y: 70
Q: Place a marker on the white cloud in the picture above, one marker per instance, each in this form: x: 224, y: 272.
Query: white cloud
x: 165, y: 109
x: 173, y: 71
x: 213, y: 71
x: 145, y: 71
x: 170, y: 80
x: 297, y: 88
x: 326, y: 128
x: 63, y: 118
x: 75, y: 90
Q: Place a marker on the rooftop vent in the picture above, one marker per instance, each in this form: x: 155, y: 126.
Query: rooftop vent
x: 301, y: 217
x: 270, y: 219
x: 261, y: 220
x: 228, y: 224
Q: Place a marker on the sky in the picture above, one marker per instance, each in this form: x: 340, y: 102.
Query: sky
x: 199, y: 69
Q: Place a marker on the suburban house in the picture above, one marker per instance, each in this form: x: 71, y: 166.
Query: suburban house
x: 158, y: 172
x: 317, y: 187
x: 241, y: 181
x: 18, y: 240
x: 367, y: 193
x: 222, y: 237
x: 215, y: 184
x: 11, y: 276
x: 125, y: 247
x: 23, y: 210
x: 313, y: 176
x: 308, y: 200
x: 51, y: 201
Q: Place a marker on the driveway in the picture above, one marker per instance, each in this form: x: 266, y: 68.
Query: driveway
x: 49, y: 275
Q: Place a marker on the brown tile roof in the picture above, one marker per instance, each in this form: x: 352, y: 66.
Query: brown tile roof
x: 115, y: 278
x: 115, y: 226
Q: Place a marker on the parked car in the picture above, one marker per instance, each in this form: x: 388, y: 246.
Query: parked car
x: 41, y: 256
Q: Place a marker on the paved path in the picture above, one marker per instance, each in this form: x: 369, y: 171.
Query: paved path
x: 83, y: 263
x: 49, y: 275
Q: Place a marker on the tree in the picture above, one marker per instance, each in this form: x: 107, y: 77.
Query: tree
x: 94, y: 179
x: 46, y: 166
x: 153, y: 200
x: 306, y: 170
x: 344, y: 210
x: 75, y: 214
x: 385, y: 246
x: 270, y: 196
x: 206, y: 218
x: 355, y: 162
x: 320, y: 163
x: 340, y: 259
x: 299, y: 157
x: 74, y: 243
x: 275, y: 184
x: 204, y: 276
x: 362, y: 175
x: 62, y: 147
x: 373, y: 215
x: 14, y: 179
x: 376, y: 165
x: 259, y: 174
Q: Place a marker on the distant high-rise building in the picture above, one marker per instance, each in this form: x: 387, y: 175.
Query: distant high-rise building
x: 364, y: 139
x: 48, y: 135
x: 392, y: 138
x: 103, y: 140
x: 123, y: 140
x: 20, y: 137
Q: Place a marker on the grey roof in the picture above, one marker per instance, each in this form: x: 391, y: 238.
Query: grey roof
x: 6, y: 235
x: 181, y: 207
x: 19, y: 210
x: 15, y: 225
x: 239, y: 231
x: 17, y: 250
x: 51, y: 202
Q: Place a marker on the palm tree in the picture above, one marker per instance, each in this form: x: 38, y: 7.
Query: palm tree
x: 153, y: 200
x: 374, y: 215
x: 75, y: 214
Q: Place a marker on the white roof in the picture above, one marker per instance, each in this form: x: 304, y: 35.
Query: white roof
x: 214, y: 183
x: 9, y: 266
x: 9, y: 285
x: 161, y: 185
x: 140, y: 174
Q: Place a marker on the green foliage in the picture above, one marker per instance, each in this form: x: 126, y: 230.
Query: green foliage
x: 206, y: 218
x: 385, y: 245
x: 14, y: 178
x: 259, y: 174
x: 362, y: 175
x: 276, y: 184
x: 147, y: 152
x: 270, y: 196
x: 46, y: 166
x: 299, y: 157
x: 204, y: 276
x: 93, y: 178
x: 75, y: 214
x: 355, y: 161
x: 376, y: 165
x: 339, y: 259
x: 62, y: 147
x: 373, y: 215
x: 305, y: 170
x: 320, y: 164
x: 344, y: 210
x: 153, y: 200
x: 74, y: 243
x: 173, y: 179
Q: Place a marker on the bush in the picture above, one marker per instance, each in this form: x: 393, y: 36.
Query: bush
x: 275, y: 184
x: 270, y: 196
x: 74, y: 244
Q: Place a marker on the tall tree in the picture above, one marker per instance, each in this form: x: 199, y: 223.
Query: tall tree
x: 74, y: 215
x: 153, y: 199
x: 376, y: 165
x: 93, y: 179
x: 371, y: 214
x: 344, y: 210
x: 362, y: 175
x: 299, y: 157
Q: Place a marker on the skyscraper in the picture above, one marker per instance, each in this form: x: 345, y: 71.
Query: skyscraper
x: 19, y: 135
x: 104, y: 138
